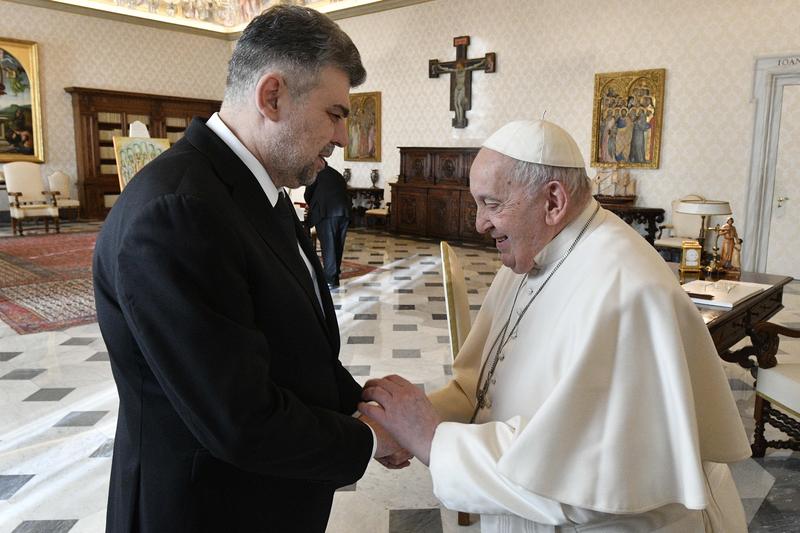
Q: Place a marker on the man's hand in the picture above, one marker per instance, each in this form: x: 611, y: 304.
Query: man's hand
x: 388, y: 453
x: 404, y: 410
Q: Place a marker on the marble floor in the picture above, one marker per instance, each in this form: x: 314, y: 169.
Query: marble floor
x: 58, y: 403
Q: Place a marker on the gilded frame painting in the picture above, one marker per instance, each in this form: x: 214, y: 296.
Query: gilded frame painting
x: 133, y: 153
x: 364, y: 128
x: 21, y: 136
x: 626, y: 119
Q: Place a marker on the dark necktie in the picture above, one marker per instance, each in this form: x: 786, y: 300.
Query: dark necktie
x: 284, y: 209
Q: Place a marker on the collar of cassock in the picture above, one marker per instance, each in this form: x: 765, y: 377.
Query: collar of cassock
x: 555, y: 249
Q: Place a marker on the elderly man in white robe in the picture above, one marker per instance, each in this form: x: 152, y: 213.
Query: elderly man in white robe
x: 588, y: 395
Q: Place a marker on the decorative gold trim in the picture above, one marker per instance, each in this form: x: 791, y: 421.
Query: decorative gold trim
x: 110, y: 11
x: 623, y: 85
x: 358, y: 101
x: 27, y: 53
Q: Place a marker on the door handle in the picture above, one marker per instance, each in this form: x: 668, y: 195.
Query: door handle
x: 782, y: 199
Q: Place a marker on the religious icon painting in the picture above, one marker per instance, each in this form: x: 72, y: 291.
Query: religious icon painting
x: 626, y: 119
x: 20, y: 107
x: 364, y: 128
x: 133, y: 153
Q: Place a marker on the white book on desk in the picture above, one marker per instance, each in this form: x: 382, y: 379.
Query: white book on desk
x: 723, y: 293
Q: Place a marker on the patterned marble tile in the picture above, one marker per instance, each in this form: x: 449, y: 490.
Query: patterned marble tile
x: 8, y: 356
x: 23, y: 373
x: 48, y: 395
x: 81, y: 418
x: 45, y: 526
x: 10, y: 484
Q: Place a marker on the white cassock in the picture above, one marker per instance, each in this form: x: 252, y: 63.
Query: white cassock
x: 610, y: 411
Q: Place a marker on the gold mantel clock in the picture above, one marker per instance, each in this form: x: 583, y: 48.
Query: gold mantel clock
x: 691, y: 254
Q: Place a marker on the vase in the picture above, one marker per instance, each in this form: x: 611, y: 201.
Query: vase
x: 373, y: 176
x: 346, y: 175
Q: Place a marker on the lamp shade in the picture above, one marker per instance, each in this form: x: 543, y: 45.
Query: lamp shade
x: 704, y: 207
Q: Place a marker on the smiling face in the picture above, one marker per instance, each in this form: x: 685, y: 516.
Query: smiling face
x: 314, y: 125
x: 508, y: 211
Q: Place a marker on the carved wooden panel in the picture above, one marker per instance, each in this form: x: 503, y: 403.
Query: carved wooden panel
x: 443, y: 212
x: 448, y: 168
x: 409, y: 210
x: 415, y: 167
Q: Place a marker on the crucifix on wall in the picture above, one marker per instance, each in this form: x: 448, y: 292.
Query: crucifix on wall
x: 460, y: 72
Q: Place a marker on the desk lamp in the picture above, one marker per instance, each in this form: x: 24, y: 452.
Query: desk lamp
x: 706, y: 209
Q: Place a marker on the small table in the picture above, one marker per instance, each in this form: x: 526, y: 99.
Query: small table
x: 650, y: 217
x: 373, y: 197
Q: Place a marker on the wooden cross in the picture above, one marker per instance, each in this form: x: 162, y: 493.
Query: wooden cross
x: 460, y: 72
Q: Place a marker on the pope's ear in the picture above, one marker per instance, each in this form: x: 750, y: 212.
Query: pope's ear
x: 557, y: 199
x: 270, y: 89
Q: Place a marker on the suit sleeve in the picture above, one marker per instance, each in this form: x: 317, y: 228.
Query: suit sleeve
x: 182, y: 284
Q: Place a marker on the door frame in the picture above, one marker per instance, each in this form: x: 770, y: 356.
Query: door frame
x: 772, y: 73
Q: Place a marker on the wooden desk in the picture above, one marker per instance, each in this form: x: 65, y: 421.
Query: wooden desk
x: 729, y: 326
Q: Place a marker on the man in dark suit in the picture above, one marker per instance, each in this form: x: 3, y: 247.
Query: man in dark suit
x: 329, y: 208
x: 235, y: 413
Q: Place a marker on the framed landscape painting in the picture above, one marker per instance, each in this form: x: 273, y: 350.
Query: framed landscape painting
x: 20, y: 107
x: 626, y: 119
x: 364, y: 128
x: 133, y: 153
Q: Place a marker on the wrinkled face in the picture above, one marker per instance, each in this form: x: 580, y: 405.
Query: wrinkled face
x: 509, y: 212
x: 315, y: 125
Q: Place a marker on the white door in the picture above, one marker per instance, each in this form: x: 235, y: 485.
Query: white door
x: 784, y: 234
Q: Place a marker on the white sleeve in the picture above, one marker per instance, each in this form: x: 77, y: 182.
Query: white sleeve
x: 463, y: 466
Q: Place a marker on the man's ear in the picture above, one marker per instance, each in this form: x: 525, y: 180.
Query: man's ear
x: 270, y: 91
x: 557, y: 200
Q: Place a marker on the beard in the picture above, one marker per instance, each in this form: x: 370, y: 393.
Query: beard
x: 291, y: 166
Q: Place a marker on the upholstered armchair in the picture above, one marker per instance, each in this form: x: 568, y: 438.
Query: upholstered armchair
x: 777, y: 389
x: 59, y: 188
x: 26, y: 198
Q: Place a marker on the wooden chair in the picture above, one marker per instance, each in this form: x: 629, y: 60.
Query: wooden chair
x: 459, y: 320
x: 377, y: 216
x: 777, y: 390
x: 59, y: 188
x: 27, y: 200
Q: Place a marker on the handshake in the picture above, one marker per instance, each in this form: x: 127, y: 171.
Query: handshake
x: 402, y: 418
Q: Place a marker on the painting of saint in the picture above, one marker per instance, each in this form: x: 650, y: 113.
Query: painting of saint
x: 364, y: 128
x: 20, y: 125
x: 627, y: 117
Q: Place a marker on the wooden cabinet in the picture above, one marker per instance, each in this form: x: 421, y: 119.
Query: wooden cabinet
x: 431, y: 196
x: 99, y: 115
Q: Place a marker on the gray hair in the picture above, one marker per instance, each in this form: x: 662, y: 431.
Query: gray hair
x: 296, y: 41
x: 575, y: 180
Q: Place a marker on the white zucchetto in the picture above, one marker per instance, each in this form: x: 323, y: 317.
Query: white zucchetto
x: 536, y: 141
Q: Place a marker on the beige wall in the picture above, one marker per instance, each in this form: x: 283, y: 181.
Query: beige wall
x: 548, y: 52
x: 83, y: 51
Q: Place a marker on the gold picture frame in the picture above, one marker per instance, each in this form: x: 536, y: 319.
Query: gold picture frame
x: 626, y: 119
x: 21, y: 136
x: 364, y: 128
x: 133, y: 153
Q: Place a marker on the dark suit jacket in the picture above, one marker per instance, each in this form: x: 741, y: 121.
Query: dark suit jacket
x: 327, y: 197
x: 234, y: 408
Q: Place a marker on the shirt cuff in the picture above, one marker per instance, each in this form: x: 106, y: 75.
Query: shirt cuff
x: 357, y: 414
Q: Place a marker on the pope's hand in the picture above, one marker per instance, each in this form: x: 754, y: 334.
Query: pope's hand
x: 404, y: 410
x: 388, y: 453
